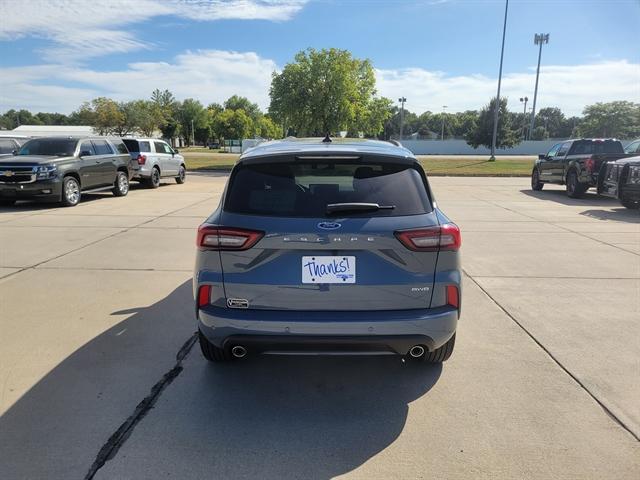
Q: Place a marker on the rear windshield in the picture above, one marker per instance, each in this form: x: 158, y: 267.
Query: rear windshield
x: 136, y: 146
x: 595, y: 147
x: 304, y: 189
x: 62, y: 147
x: 6, y: 146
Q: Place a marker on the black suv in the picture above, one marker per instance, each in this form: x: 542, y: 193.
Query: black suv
x: 60, y: 168
x: 575, y: 163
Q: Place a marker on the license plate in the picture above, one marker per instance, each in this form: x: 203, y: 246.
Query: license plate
x: 328, y: 269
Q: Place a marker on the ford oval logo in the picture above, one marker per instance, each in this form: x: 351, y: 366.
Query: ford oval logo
x: 329, y: 225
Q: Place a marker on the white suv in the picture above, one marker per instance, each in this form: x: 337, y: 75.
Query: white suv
x: 153, y: 159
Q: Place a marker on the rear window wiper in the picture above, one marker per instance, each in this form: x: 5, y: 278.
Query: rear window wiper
x: 356, y: 207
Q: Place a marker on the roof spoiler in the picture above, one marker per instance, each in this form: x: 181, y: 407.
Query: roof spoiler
x: 394, y: 142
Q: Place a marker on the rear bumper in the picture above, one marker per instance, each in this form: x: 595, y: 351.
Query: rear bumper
x: 345, y: 331
x: 42, y: 189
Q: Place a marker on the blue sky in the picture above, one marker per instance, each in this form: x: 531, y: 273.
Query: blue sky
x: 434, y: 52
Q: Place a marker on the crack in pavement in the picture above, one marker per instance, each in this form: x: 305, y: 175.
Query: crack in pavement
x: 120, y: 436
x: 554, y: 359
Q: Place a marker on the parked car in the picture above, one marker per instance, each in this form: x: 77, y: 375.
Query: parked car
x: 155, y: 159
x: 11, y: 143
x: 621, y: 180
x: 328, y: 248
x: 575, y: 163
x: 633, y: 147
x: 61, y: 168
x: 213, y: 145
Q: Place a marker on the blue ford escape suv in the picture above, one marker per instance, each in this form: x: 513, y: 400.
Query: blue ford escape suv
x: 328, y: 247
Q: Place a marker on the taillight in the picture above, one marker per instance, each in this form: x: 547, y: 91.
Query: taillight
x: 453, y: 297
x: 225, y: 238
x: 142, y: 159
x: 431, y: 239
x: 590, y: 164
x: 204, y: 295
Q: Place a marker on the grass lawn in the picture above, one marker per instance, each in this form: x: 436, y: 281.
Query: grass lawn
x: 435, y: 165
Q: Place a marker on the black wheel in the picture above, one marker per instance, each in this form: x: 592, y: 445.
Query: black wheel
x: 575, y: 189
x: 70, y: 192
x: 182, y: 175
x: 121, y: 185
x: 441, y: 354
x: 6, y: 202
x: 536, y: 184
x: 211, y: 352
x: 628, y: 203
x: 154, y: 179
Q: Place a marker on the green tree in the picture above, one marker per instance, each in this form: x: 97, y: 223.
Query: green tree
x: 267, y: 128
x: 322, y: 91
x: 508, y: 135
x: 232, y: 125
x: 242, y: 103
x: 192, y: 116
x: 552, y: 120
x: 374, y: 117
x: 614, y: 119
x: 169, y: 107
x: 145, y: 116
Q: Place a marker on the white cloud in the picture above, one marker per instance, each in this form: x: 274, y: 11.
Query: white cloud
x: 568, y: 87
x: 79, y: 29
x: 207, y: 75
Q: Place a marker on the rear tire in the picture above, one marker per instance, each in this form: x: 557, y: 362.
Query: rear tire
x: 121, y: 185
x: 154, y: 180
x: 630, y: 204
x: 182, y: 175
x: 70, y: 192
x: 536, y: 184
x: 441, y: 354
x: 575, y: 189
x: 211, y: 352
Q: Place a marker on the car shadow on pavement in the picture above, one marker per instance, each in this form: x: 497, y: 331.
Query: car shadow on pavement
x: 264, y: 417
x: 589, y: 199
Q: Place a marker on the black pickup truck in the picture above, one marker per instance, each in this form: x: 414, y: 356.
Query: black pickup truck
x: 621, y: 180
x: 576, y: 164
x: 60, y: 168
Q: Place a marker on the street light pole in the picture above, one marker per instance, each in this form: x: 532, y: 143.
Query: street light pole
x: 401, y: 100
x: 524, y: 121
x: 538, y: 39
x: 193, y: 135
x: 497, y: 104
x: 443, y: 109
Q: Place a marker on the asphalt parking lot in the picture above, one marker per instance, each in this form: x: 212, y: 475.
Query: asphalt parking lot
x: 97, y: 326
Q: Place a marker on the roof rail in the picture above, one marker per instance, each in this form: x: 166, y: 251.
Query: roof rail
x: 394, y: 142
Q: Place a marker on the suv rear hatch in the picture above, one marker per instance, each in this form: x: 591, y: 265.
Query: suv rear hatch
x: 317, y: 241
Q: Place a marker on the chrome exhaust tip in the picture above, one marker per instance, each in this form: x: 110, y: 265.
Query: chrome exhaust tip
x: 238, y: 351
x: 416, y: 351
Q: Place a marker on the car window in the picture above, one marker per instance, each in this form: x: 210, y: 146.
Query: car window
x: 6, y: 146
x: 132, y: 145
x: 61, y: 147
x: 633, y: 148
x: 304, y: 189
x: 162, y: 147
x: 144, y: 146
x: 102, y: 147
x: 120, y: 146
x: 554, y: 150
x: 564, y: 148
x: 86, y: 149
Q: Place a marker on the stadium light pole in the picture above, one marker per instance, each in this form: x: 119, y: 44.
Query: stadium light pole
x: 444, y: 107
x: 538, y: 39
x: 524, y: 121
x: 401, y: 100
x: 496, y: 108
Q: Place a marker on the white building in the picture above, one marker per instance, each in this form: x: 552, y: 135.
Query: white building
x: 53, y: 130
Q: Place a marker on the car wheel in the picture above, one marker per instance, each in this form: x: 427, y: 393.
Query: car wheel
x: 536, y: 184
x: 575, y: 189
x: 70, y: 192
x: 211, y: 352
x: 628, y: 203
x: 6, y: 202
x: 121, y: 185
x: 182, y: 175
x: 441, y: 354
x: 154, y: 179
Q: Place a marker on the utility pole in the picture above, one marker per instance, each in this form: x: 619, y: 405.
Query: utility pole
x: 443, y: 109
x: 538, y: 39
x: 497, y: 104
x: 193, y: 135
x: 524, y: 122
x: 401, y: 100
